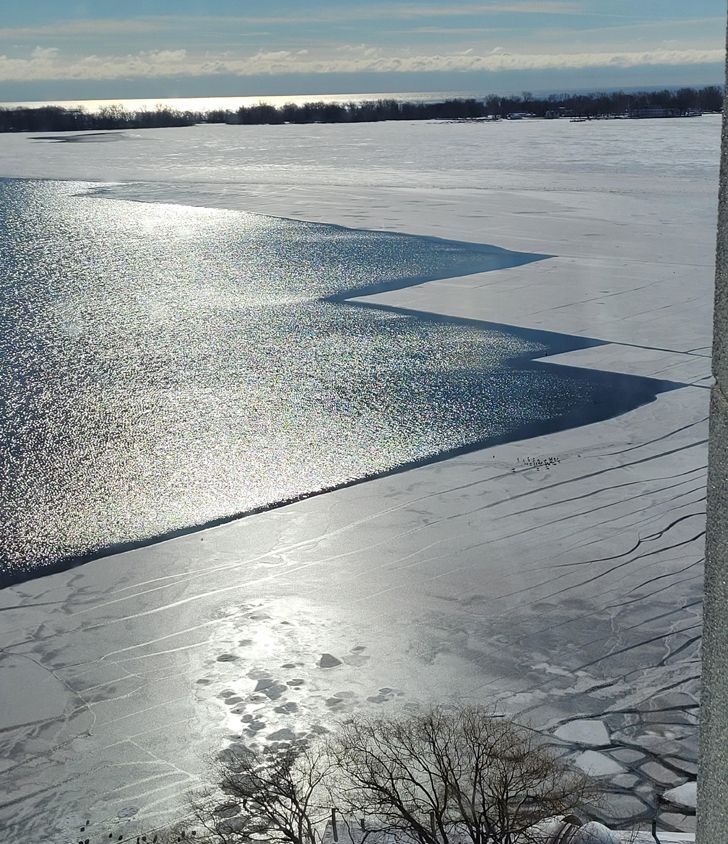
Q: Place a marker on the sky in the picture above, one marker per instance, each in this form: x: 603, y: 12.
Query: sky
x: 66, y: 49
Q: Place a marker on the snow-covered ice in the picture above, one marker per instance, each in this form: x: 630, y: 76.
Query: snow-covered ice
x: 557, y: 577
x: 684, y: 796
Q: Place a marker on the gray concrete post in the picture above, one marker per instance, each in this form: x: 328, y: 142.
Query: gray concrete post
x: 713, y: 774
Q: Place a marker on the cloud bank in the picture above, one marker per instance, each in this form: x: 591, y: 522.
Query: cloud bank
x: 360, y: 12
x: 44, y: 64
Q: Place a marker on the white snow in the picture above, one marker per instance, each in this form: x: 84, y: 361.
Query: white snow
x: 595, y: 833
x: 561, y: 593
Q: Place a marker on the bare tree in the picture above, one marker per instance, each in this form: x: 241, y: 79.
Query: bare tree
x: 452, y: 776
x: 277, y: 795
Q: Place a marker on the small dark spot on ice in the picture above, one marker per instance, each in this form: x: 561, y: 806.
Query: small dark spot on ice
x: 328, y: 661
x: 258, y: 674
x: 282, y: 735
x: 296, y: 682
x: 226, y: 658
x: 275, y: 691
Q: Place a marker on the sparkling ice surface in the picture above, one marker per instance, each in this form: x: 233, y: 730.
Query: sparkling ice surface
x: 163, y: 367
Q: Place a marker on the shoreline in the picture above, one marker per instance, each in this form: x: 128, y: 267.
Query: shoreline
x: 594, y: 105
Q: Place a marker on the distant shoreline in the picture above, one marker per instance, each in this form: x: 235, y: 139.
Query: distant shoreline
x: 683, y: 102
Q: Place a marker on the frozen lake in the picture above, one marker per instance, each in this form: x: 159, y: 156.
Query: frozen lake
x: 558, y: 578
x: 165, y: 367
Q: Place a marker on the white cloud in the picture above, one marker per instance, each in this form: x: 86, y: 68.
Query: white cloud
x: 450, y: 30
x: 413, y: 10
x: 85, y: 27
x: 41, y: 54
x: 45, y: 64
x: 355, y: 12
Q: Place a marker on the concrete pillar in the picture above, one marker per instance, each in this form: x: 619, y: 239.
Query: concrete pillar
x: 713, y: 775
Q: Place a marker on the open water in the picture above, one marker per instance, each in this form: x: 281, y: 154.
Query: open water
x: 164, y: 367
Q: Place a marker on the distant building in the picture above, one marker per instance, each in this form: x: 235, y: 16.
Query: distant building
x: 656, y: 111
x: 652, y: 111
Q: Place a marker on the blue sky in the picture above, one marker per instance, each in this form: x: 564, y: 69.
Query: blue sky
x: 65, y: 49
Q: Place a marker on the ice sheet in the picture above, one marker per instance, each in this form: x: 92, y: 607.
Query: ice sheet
x: 559, y: 578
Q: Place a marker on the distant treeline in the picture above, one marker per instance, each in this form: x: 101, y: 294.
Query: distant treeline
x: 57, y: 119
x: 608, y: 104
x: 567, y: 105
x: 361, y: 112
x: 605, y: 104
